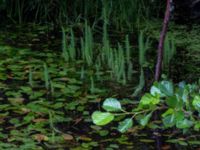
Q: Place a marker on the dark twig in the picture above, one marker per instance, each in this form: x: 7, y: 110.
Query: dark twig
x: 161, y: 42
x: 160, y: 60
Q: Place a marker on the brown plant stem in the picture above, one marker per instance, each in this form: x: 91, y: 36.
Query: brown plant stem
x: 159, y: 62
x: 161, y: 42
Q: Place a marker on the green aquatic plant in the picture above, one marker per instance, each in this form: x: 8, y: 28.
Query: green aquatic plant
x: 169, y: 51
x: 106, y: 50
x: 143, y: 47
x: 92, y: 84
x: 121, y: 14
x: 46, y: 76
x: 65, y: 53
x: 128, y: 58
x: 71, y: 47
x: 179, y: 107
x: 30, y: 77
x: 87, y: 45
x: 143, y: 44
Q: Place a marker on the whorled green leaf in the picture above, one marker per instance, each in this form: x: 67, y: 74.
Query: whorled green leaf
x: 149, y: 100
x: 112, y: 105
x: 196, y: 103
x: 102, y: 118
x: 125, y: 125
x: 184, y: 124
x: 144, y: 121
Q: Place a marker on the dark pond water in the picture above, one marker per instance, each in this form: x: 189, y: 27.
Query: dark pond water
x: 46, y: 103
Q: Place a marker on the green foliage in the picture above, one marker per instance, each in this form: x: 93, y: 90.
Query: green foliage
x: 87, y: 48
x: 41, y: 98
x: 43, y: 92
x: 114, y: 60
x: 65, y: 52
x: 145, y: 119
x: 46, y: 76
x: 175, y: 103
x: 148, y: 100
x: 164, y: 88
x: 122, y: 14
x: 186, y: 47
x: 102, y: 118
x: 125, y: 125
x: 196, y: 103
x: 112, y: 105
x: 143, y: 46
x: 169, y: 51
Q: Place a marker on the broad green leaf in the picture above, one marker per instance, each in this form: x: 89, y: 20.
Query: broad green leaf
x: 196, y: 103
x: 172, y: 101
x: 179, y: 116
x: 184, y: 124
x: 197, y: 126
x: 112, y: 105
x: 155, y: 90
x: 185, y: 95
x: 144, y: 121
x: 149, y: 100
x: 102, y: 118
x: 171, y: 117
x: 169, y: 120
x: 168, y: 112
x: 167, y: 88
x: 125, y: 125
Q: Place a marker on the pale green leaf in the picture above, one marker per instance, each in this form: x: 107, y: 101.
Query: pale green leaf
x: 144, y: 121
x: 149, y: 100
x: 112, y: 105
x: 167, y: 88
x: 169, y: 120
x: 102, y: 118
x: 155, y: 90
x: 184, y: 124
x: 196, y: 103
x: 125, y: 125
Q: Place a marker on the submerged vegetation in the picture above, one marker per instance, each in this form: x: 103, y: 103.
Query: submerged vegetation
x: 62, y: 60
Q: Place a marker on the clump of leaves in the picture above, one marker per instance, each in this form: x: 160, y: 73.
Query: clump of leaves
x: 179, y: 106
